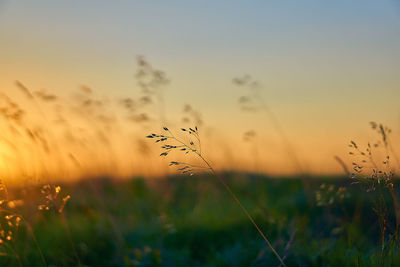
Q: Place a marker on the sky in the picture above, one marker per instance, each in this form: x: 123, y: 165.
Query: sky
x: 325, y: 69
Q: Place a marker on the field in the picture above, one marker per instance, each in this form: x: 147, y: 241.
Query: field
x: 192, y: 221
x: 199, y: 133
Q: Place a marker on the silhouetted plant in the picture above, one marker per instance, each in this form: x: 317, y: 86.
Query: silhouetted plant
x: 376, y: 174
x: 194, y: 147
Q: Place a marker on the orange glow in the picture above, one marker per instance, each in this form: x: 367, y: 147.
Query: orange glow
x: 81, y: 108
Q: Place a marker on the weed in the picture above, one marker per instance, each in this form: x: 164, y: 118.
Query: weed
x: 194, y: 146
x: 373, y: 170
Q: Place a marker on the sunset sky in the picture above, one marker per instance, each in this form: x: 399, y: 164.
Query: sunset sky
x: 326, y: 69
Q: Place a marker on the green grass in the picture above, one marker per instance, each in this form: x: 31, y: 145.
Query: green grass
x: 192, y: 221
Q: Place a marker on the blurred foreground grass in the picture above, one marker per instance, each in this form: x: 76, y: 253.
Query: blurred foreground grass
x: 192, y: 221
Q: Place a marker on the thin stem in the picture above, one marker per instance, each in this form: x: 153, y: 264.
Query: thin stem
x: 183, y: 144
x: 233, y: 195
x: 195, y: 134
x: 288, y: 245
x: 194, y: 166
x: 222, y: 181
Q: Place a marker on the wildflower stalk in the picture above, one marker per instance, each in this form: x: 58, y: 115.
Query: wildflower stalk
x: 188, y: 168
x: 378, y: 176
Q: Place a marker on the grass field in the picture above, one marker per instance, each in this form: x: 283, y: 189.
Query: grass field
x: 199, y: 133
x: 192, y: 221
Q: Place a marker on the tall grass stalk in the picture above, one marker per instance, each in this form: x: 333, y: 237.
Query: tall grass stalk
x: 189, y: 168
x: 379, y: 176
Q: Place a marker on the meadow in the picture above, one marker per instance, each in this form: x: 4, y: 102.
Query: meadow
x: 199, y: 133
x: 192, y: 221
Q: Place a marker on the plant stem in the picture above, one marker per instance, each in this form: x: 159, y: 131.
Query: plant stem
x: 233, y: 195
x: 222, y: 181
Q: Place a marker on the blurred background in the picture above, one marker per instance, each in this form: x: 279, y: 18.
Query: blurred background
x: 261, y: 81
